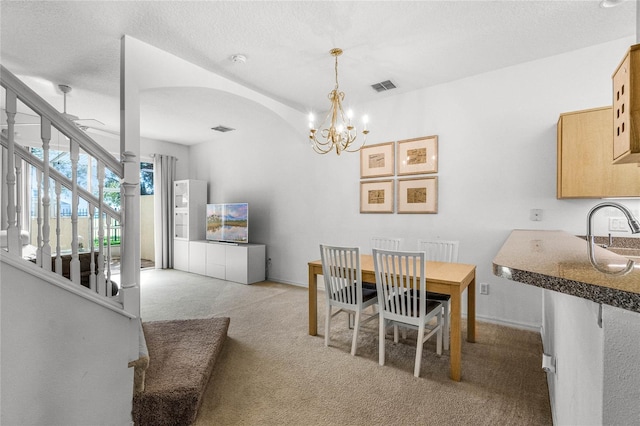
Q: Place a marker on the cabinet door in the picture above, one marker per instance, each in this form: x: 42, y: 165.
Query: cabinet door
x: 626, y: 108
x: 585, y: 169
x: 181, y: 255
x: 246, y: 263
x: 197, y: 257
x: 181, y: 194
x: 237, y: 258
x: 216, y: 261
x: 181, y: 224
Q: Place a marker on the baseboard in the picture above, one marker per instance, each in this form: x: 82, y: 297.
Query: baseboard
x: 507, y: 323
x: 283, y: 281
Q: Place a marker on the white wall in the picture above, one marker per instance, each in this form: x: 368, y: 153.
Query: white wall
x: 148, y: 147
x: 497, y: 160
x: 64, y: 358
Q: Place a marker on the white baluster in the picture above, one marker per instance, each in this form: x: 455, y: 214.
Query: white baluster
x: 101, y: 276
x: 108, y: 260
x: 58, y: 249
x: 45, y: 130
x: 13, y: 234
x: 74, y: 266
x: 92, y: 269
x: 19, y: 202
x: 39, y: 219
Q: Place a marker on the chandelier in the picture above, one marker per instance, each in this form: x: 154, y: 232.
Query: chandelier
x: 341, y: 133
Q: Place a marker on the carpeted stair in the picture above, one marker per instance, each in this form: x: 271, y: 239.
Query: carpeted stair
x: 181, y: 358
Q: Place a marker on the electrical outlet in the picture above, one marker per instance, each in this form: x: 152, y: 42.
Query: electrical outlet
x: 618, y: 224
x: 484, y: 288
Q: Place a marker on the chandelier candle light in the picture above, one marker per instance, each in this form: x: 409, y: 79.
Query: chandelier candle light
x: 341, y: 134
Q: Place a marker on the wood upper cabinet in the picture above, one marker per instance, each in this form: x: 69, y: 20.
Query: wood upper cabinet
x: 585, y: 169
x: 626, y: 108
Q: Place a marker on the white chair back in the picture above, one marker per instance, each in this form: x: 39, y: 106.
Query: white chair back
x: 440, y: 250
x: 396, y: 273
x: 385, y: 243
x: 341, y: 273
x: 402, y: 300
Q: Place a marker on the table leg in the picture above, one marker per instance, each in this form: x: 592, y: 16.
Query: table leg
x: 471, y: 311
x: 455, y: 344
x: 313, y: 303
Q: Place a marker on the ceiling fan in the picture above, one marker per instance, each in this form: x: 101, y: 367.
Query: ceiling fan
x: 82, y: 123
x: 25, y: 119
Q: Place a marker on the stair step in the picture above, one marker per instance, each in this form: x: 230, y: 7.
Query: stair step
x: 182, y: 354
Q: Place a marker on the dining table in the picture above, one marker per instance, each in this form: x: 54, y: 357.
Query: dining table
x: 441, y: 277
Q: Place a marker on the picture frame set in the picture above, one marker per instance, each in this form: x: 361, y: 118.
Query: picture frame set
x: 415, y: 194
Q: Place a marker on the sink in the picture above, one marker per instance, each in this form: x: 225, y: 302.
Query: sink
x: 629, y: 253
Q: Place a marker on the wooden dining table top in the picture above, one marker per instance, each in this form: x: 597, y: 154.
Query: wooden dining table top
x: 450, y: 274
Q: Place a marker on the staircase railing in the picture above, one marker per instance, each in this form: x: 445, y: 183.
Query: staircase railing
x: 23, y: 165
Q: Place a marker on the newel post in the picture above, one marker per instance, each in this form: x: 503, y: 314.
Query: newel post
x: 130, y: 238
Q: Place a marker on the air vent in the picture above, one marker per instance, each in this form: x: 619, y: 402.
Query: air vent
x: 222, y: 129
x: 385, y: 85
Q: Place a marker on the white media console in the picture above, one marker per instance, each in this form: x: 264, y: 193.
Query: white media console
x: 241, y: 263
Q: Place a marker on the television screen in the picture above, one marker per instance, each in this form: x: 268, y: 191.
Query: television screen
x: 228, y: 222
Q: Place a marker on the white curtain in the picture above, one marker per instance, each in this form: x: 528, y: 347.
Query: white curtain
x: 164, y: 173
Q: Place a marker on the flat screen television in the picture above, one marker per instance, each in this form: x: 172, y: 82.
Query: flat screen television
x: 228, y: 222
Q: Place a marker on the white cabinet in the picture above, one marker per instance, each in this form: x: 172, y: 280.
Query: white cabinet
x: 197, y: 258
x: 181, y: 254
x: 189, y: 209
x: 245, y: 263
x: 216, y: 262
x: 242, y: 263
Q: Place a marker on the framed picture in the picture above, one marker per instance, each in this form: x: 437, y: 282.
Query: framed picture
x: 418, y: 195
x: 376, y: 196
x: 418, y: 156
x: 377, y: 160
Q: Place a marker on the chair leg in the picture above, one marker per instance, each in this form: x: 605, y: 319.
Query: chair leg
x: 439, y: 334
x: 356, y: 328
x: 327, y: 325
x: 420, y: 343
x: 395, y: 333
x: 381, y: 338
x: 446, y: 324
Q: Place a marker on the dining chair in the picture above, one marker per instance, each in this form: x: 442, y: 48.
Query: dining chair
x: 384, y: 243
x: 343, y: 288
x: 401, y: 283
x: 441, y: 251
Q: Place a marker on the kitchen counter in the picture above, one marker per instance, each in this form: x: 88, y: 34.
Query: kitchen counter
x: 559, y: 261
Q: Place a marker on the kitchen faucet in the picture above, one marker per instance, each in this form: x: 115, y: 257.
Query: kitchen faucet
x: 633, y: 224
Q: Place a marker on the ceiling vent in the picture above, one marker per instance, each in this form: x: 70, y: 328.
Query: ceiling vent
x: 383, y: 86
x: 222, y: 129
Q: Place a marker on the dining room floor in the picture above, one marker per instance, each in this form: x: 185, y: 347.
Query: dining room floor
x: 271, y: 372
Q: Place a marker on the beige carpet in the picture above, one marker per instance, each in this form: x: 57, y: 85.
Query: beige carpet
x: 271, y: 372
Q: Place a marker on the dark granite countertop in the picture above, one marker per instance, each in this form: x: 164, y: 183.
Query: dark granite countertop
x: 559, y: 261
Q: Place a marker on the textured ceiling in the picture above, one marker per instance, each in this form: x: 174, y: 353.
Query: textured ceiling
x: 287, y: 43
